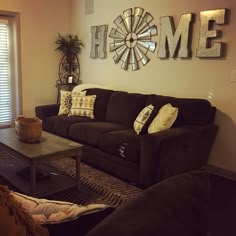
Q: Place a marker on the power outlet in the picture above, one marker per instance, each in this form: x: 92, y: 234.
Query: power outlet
x: 233, y: 76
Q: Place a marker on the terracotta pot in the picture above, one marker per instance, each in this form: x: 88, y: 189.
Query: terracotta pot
x: 28, y: 129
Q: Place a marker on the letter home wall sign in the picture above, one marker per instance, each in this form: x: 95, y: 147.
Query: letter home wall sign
x: 134, y: 31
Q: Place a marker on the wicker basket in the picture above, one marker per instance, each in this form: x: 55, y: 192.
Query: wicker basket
x: 28, y: 129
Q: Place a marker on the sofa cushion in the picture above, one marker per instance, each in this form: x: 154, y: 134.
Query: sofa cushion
x: 192, y: 111
x: 82, y: 106
x: 143, y: 119
x: 90, y: 133
x: 123, y: 143
x: 60, y: 124
x: 123, y: 107
x: 66, y: 101
x: 164, y: 119
x: 100, y: 106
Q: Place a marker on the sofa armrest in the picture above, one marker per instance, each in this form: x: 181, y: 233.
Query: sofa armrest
x: 174, y: 151
x: 177, y: 206
x: 44, y: 111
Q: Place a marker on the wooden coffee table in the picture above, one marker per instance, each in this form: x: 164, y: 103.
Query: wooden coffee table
x: 34, y: 156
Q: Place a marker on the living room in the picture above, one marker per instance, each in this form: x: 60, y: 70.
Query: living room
x: 208, y: 78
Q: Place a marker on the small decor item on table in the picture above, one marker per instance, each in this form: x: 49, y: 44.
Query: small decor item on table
x: 28, y: 129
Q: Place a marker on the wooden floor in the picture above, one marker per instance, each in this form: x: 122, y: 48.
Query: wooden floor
x: 222, y: 213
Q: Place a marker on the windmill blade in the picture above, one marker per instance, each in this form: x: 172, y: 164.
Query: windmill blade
x: 138, y: 12
x: 147, y: 33
x: 133, y: 60
x: 128, y: 19
x: 145, y: 21
x: 124, y: 65
x: 116, y: 45
x: 120, y: 24
x: 116, y: 34
x: 119, y: 54
x: 148, y: 45
x: 125, y: 59
x: 144, y: 59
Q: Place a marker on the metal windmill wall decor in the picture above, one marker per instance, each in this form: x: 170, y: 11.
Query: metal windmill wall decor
x: 132, y: 38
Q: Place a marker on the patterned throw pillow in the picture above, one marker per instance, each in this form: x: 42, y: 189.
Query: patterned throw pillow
x: 164, y: 119
x: 82, y: 106
x: 142, y: 119
x: 66, y: 101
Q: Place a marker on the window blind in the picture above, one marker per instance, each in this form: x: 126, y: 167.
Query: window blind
x: 5, y: 95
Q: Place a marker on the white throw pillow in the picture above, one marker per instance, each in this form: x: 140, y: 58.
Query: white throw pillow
x: 66, y: 101
x: 142, y: 118
x: 164, y: 119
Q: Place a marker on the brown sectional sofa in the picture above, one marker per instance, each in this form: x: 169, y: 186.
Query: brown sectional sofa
x: 112, y: 145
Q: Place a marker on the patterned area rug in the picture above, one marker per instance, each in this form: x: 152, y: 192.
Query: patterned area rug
x: 96, y: 186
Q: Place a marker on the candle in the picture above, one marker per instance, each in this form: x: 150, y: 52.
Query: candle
x: 70, y: 79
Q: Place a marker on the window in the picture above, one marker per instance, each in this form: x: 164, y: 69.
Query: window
x: 5, y: 97
x: 9, y: 72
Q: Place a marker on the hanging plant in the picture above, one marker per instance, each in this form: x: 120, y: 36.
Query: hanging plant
x: 69, y: 46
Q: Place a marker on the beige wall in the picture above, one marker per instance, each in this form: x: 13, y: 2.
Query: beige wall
x: 200, y: 78
x: 40, y: 23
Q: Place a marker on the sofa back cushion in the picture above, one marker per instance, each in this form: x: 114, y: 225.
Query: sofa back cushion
x: 191, y: 111
x: 123, y: 107
x: 100, y: 106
